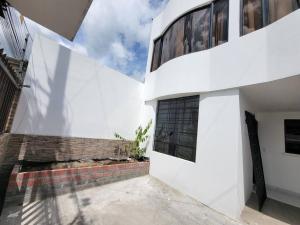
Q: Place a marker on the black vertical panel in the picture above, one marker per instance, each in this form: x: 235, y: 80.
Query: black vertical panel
x: 176, y: 127
x: 260, y: 186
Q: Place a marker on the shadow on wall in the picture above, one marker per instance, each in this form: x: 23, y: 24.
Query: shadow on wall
x: 53, y: 120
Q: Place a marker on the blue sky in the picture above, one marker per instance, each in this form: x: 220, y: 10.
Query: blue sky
x: 116, y: 33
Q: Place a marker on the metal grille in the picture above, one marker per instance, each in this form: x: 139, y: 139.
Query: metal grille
x: 176, y: 127
x: 8, y: 92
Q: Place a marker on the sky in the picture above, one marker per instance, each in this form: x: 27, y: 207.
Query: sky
x: 114, y: 32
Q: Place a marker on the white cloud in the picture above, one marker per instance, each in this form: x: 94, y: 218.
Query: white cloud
x: 113, y: 31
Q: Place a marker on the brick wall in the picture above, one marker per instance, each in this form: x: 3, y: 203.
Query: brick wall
x: 51, y: 148
x: 31, y: 186
x: 14, y: 147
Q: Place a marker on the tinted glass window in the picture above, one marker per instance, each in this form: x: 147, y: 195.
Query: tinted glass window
x: 156, y: 55
x: 193, y: 32
x: 197, y: 30
x: 292, y: 136
x: 252, y: 15
x: 220, y: 22
x: 173, y: 41
x: 280, y: 8
x: 176, y: 127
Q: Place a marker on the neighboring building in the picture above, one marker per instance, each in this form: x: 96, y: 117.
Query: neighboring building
x: 209, y: 62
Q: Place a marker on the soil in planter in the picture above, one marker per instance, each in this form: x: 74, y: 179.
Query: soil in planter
x: 27, y: 166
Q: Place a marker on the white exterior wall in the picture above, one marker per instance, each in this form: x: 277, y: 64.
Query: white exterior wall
x: 215, y: 178
x: 72, y: 95
x: 222, y: 176
x: 267, y: 54
x: 281, y: 169
x: 244, y: 146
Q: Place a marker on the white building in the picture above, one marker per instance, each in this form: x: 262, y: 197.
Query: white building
x: 209, y: 62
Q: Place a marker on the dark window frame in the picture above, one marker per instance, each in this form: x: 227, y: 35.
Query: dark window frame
x: 211, y: 25
x: 285, y: 136
x: 265, y: 15
x: 208, y: 5
x: 159, y: 54
x: 178, y: 129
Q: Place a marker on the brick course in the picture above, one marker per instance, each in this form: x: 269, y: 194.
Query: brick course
x: 14, y: 147
x: 38, y: 184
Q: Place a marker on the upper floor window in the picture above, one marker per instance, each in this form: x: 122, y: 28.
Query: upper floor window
x: 259, y: 13
x: 220, y: 23
x: 281, y: 8
x: 196, y: 31
x: 173, y: 41
x: 252, y: 15
x: 156, y: 54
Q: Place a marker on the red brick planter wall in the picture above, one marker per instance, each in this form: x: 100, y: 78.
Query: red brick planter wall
x: 30, y: 186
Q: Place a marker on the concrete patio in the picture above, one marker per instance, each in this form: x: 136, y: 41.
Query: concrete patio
x: 138, y: 201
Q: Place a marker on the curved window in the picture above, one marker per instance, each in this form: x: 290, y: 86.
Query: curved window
x: 259, y: 13
x: 220, y: 23
x: 195, y: 31
x: 281, y: 8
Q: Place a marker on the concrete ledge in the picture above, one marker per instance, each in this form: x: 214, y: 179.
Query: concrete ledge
x: 30, y: 186
x: 282, y: 195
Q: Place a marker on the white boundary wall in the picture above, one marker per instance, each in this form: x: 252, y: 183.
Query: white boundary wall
x: 72, y: 95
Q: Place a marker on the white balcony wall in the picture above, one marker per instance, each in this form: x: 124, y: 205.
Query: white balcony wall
x: 72, y: 95
x: 265, y: 55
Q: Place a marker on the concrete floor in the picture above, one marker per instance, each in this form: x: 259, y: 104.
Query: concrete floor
x: 139, y: 201
x: 273, y: 213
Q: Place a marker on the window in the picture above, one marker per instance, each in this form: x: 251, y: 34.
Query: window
x: 173, y: 41
x: 259, y: 13
x: 196, y: 31
x: 252, y: 15
x: 156, y: 55
x: 292, y: 136
x: 281, y: 8
x: 176, y: 127
x: 220, y: 23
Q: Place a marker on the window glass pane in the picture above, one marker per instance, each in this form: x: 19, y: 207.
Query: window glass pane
x: 252, y: 15
x: 292, y: 136
x: 280, y: 8
x: 197, y: 30
x: 173, y: 41
x: 220, y: 23
x: 156, y: 55
x: 176, y: 127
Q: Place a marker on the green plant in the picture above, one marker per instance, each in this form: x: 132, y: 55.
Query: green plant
x: 136, y: 151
